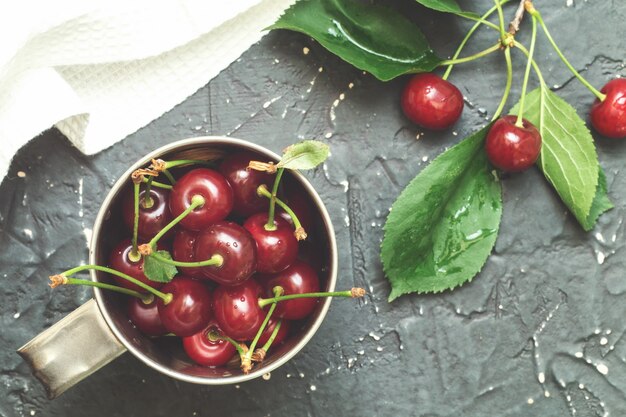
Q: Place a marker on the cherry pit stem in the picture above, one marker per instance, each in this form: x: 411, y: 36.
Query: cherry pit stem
x: 134, y: 255
x: 352, y: 293
x: 196, y: 201
x: 270, y: 217
x: 519, y: 122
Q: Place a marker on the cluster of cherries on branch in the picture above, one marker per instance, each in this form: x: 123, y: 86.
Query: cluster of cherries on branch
x: 235, y: 273
x: 513, y: 143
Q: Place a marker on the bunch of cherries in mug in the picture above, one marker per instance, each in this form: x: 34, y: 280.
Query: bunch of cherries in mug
x: 225, y: 283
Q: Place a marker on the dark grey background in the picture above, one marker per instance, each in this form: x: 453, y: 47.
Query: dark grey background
x: 533, y: 334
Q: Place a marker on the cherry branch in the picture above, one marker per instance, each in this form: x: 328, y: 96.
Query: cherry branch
x: 517, y: 20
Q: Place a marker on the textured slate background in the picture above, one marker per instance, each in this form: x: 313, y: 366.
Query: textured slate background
x: 539, y: 332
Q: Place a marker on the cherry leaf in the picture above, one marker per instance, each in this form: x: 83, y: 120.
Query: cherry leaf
x: 443, y: 226
x: 304, y: 155
x: 374, y: 38
x: 158, y: 271
x: 446, y: 6
x: 568, y: 156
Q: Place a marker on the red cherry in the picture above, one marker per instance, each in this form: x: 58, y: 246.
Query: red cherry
x: 235, y: 245
x: 245, y: 182
x: 237, y: 309
x: 189, y: 311
x: 145, y: 317
x: 151, y: 220
x: 205, y: 350
x: 299, y: 278
x: 120, y: 261
x: 276, y: 249
x: 432, y: 102
x: 269, y: 329
x: 608, y: 117
x: 510, y: 147
x: 215, y: 190
x: 183, y: 251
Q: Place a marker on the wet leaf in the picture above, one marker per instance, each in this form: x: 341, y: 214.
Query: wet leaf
x: 158, y: 271
x: 304, y: 155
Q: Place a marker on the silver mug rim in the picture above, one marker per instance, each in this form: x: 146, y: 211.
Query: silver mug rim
x: 233, y: 379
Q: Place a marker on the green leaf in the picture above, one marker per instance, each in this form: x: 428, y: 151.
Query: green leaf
x: 158, y: 271
x: 304, y: 155
x: 442, y: 227
x: 601, y: 203
x: 371, y: 37
x: 446, y: 6
x: 568, y: 156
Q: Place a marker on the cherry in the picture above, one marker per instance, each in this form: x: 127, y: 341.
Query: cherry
x: 215, y: 190
x: 189, y: 310
x: 145, y: 317
x: 151, y: 219
x: 431, y: 102
x: 237, y: 309
x: 608, y: 117
x: 299, y: 278
x: 235, y: 245
x: 269, y: 329
x: 206, y: 348
x: 510, y: 147
x: 120, y: 261
x: 245, y: 182
x: 183, y: 251
x: 276, y: 249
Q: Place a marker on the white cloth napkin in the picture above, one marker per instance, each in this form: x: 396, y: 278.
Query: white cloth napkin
x: 100, y: 69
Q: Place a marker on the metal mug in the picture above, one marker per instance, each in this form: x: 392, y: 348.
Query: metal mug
x: 98, y: 331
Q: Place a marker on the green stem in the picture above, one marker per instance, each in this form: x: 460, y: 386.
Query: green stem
x: 196, y: 201
x: 268, y: 344
x: 270, y: 217
x: 147, y: 198
x: 165, y: 297
x: 215, y: 260
x: 234, y: 343
x: 183, y: 162
x: 265, y: 301
x: 481, y: 20
x: 500, y: 20
x: 158, y: 184
x: 296, y: 222
x: 121, y: 290
x: 601, y: 96
x: 468, y: 36
x: 522, y: 48
x: 134, y: 254
x: 509, y: 80
x: 471, y: 57
x: 277, y: 291
x: 519, y: 121
x: 169, y: 176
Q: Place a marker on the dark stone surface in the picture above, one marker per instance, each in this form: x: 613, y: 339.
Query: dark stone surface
x: 539, y: 332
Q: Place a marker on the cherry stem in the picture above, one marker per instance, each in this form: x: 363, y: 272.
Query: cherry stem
x: 500, y: 20
x: 169, y: 176
x: 535, y: 13
x: 165, y: 297
x: 353, y: 293
x: 134, y: 254
x: 269, y: 342
x: 270, y: 216
x: 519, y: 122
x: 215, y: 260
x: 468, y: 36
x: 278, y: 291
x: 471, y: 57
x: 262, y: 190
x: 234, y: 343
x: 522, y: 48
x: 196, y: 201
x: 158, y: 184
x: 481, y: 20
x: 147, y: 201
x: 89, y: 283
x: 184, y: 162
x: 509, y: 80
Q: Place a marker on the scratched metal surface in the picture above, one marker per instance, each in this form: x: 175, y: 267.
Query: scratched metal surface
x: 539, y: 332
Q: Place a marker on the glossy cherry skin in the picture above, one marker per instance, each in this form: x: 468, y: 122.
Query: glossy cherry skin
x: 237, y: 309
x: 512, y: 148
x: 145, y: 317
x: 299, y: 278
x: 608, y: 117
x: 183, y: 250
x: 190, y: 309
x: 276, y: 249
x: 245, y: 182
x: 211, y: 185
x: 206, y: 352
x: 432, y: 102
x: 269, y: 329
x: 235, y: 245
x: 151, y: 220
x: 119, y: 261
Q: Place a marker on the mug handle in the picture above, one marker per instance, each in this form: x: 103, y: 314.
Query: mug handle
x: 71, y: 349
